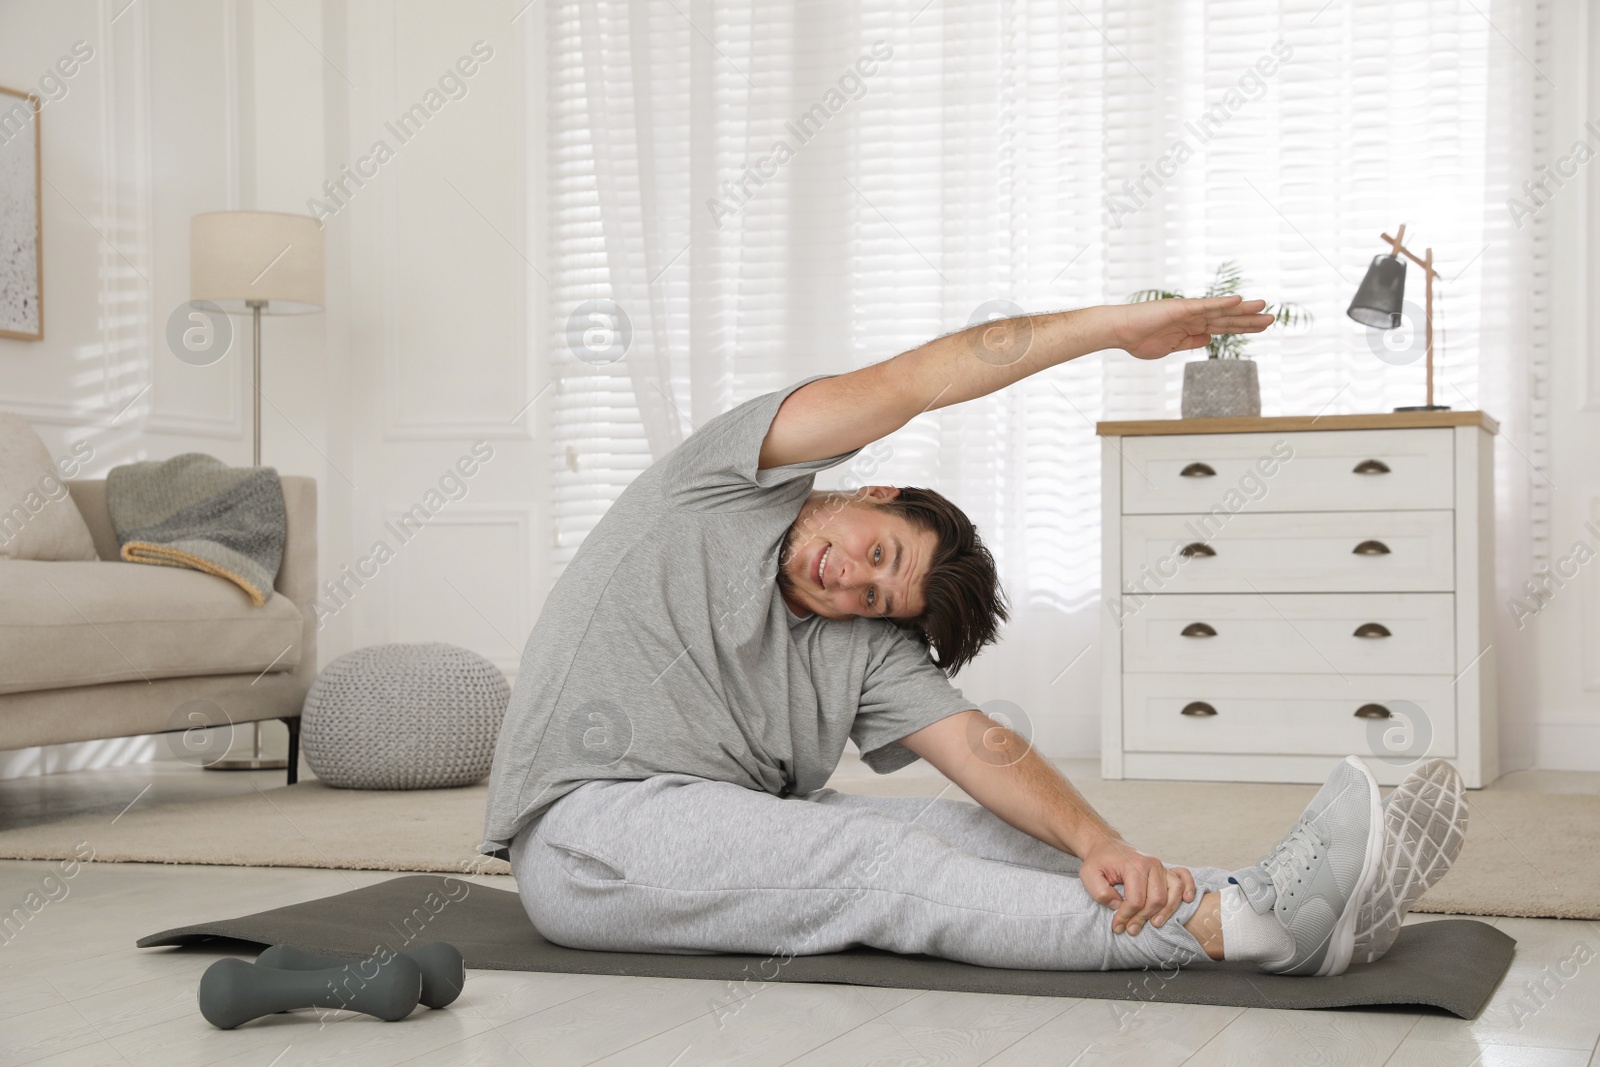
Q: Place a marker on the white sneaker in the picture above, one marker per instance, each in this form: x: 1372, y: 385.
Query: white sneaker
x: 1425, y: 822
x: 1316, y: 878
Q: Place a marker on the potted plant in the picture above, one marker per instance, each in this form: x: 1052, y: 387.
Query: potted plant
x: 1225, y: 384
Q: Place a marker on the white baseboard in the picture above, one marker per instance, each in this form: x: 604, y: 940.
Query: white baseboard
x: 1567, y: 747
x: 81, y: 756
x: 120, y: 751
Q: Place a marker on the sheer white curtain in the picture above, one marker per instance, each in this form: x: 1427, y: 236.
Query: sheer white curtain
x: 768, y: 190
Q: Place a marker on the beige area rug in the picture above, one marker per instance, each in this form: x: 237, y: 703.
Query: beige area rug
x: 304, y: 825
x: 1527, y: 854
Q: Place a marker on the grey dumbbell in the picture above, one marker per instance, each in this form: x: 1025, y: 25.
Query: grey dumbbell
x: 232, y: 992
x: 443, y: 972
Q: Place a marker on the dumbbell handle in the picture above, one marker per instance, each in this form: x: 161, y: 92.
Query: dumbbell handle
x: 232, y: 991
x: 443, y: 973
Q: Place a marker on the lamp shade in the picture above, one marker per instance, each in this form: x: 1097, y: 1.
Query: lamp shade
x: 236, y: 257
x: 1381, y: 295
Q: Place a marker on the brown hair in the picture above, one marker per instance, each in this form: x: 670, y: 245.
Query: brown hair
x: 964, y: 603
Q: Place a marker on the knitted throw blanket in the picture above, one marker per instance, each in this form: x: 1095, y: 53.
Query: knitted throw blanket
x: 196, y: 511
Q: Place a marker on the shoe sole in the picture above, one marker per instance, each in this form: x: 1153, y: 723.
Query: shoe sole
x: 1342, y: 941
x: 1425, y: 823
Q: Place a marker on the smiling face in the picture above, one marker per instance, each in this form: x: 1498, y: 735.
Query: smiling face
x: 845, y: 556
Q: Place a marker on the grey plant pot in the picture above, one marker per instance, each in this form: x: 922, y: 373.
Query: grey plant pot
x: 1221, y: 389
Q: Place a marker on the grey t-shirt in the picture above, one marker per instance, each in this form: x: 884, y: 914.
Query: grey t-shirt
x: 666, y: 646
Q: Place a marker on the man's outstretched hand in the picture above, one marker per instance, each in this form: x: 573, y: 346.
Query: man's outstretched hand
x: 1157, y: 328
x: 1151, y: 892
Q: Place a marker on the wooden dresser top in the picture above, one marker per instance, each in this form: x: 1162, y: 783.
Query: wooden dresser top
x: 1389, y: 420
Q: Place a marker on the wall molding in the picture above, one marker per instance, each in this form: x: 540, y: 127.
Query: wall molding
x: 1589, y: 609
x: 1591, y: 229
x: 126, y: 168
x: 125, y: 55
x: 54, y: 413
x: 231, y: 426
x: 194, y: 426
x: 397, y: 425
x: 508, y: 652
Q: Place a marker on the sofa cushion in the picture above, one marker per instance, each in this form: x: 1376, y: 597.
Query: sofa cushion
x: 38, y: 519
x: 72, y: 624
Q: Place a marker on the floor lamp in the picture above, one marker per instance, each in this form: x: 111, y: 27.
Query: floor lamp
x: 261, y: 263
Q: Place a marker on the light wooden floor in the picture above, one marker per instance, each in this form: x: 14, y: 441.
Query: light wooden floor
x: 73, y: 990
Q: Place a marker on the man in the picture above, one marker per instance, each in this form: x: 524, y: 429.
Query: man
x: 688, y: 689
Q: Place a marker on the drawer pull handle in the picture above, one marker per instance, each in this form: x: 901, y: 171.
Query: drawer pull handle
x: 1371, y: 548
x: 1197, y: 470
x: 1200, y: 709
x: 1200, y: 548
x: 1373, y: 711
x: 1372, y: 629
x: 1199, y: 629
x: 1371, y: 466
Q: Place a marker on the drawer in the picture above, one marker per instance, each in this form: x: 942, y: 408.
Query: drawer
x: 1306, y: 633
x: 1336, y: 470
x: 1290, y: 713
x: 1308, y: 552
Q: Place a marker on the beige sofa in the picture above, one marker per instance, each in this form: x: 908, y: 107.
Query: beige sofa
x: 104, y: 648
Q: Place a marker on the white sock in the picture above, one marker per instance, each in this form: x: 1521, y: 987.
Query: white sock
x: 1248, y: 935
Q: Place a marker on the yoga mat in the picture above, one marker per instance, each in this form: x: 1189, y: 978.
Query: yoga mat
x: 1453, y: 964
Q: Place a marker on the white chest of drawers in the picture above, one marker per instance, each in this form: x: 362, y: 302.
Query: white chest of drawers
x: 1281, y: 592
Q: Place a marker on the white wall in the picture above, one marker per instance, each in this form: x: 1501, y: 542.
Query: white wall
x: 1563, y: 684
x: 438, y: 317
x: 431, y: 340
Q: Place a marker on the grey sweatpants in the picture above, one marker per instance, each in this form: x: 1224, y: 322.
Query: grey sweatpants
x: 681, y: 864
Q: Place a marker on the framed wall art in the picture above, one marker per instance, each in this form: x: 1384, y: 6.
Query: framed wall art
x: 21, y: 231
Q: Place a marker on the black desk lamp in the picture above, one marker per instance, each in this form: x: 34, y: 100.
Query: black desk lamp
x: 1381, y: 296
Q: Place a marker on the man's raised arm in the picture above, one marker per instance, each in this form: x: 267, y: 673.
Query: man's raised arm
x: 835, y: 415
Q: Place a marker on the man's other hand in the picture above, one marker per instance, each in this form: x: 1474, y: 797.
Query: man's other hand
x: 1151, y: 892
x: 1003, y: 772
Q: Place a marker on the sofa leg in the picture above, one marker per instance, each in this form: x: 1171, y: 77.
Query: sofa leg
x: 294, y: 748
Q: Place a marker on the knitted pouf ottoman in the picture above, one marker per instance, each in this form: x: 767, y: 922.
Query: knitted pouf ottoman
x: 403, y: 717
